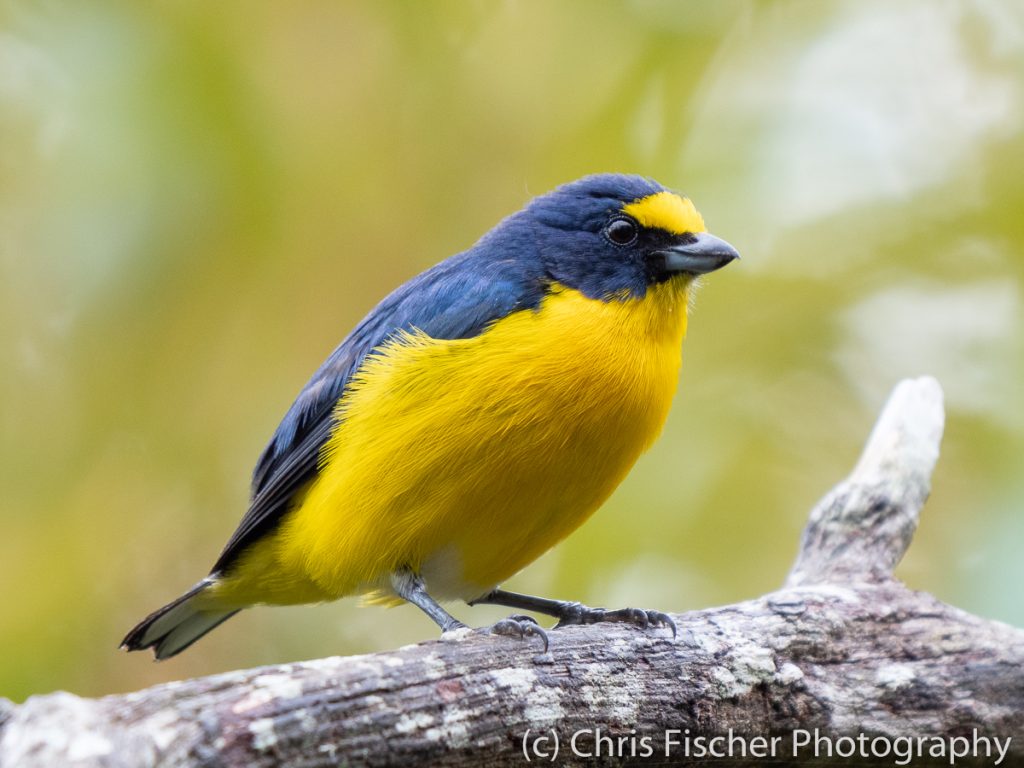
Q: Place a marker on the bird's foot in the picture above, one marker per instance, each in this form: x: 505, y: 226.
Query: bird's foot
x: 577, y: 613
x: 520, y: 627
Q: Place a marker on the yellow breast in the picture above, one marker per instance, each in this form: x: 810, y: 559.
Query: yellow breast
x: 467, y: 459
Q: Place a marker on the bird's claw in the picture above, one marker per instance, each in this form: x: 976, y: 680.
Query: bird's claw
x: 453, y: 626
x: 578, y: 613
x: 520, y: 627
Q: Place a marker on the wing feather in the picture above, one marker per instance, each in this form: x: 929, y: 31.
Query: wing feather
x: 456, y: 299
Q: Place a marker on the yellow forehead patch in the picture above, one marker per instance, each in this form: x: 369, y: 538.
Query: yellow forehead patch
x: 667, y: 211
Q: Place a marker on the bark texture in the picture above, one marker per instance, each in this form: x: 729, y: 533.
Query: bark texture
x: 842, y: 647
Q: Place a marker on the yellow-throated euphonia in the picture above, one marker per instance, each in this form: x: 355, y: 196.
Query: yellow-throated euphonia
x: 474, y: 418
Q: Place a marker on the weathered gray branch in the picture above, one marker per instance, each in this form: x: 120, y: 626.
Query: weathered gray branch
x: 843, y: 647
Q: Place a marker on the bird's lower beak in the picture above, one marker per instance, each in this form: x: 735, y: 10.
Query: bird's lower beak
x: 704, y: 253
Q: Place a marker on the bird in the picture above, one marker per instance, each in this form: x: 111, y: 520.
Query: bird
x: 473, y: 419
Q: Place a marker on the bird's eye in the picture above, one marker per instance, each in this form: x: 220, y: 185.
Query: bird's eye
x: 621, y: 231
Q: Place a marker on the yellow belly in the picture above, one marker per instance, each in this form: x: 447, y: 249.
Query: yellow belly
x: 467, y: 459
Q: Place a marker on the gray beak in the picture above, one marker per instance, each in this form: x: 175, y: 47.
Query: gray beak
x: 704, y: 253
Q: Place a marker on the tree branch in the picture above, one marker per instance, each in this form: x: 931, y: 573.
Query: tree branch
x: 862, y: 528
x: 843, y: 648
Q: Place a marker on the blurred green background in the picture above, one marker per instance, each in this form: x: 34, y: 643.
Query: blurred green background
x: 198, y: 200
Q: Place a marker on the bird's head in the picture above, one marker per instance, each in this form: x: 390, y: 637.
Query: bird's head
x: 612, y: 235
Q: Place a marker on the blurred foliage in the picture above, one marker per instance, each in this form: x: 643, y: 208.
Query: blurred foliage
x: 198, y: 200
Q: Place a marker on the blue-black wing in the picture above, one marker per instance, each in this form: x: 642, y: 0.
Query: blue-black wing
x: 456, y: 299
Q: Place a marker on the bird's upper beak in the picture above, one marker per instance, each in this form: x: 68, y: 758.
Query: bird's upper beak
x: 702, y: 254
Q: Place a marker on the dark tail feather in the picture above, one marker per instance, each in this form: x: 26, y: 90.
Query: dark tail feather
x: 173, y: 628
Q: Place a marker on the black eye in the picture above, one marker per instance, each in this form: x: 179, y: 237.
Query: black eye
x: 621, y: 231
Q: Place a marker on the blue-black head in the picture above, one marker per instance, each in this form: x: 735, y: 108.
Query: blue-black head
x: 612, y: 235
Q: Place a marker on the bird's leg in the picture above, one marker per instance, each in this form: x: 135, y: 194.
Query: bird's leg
x: 410, y: 587
x: 575, y: 613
